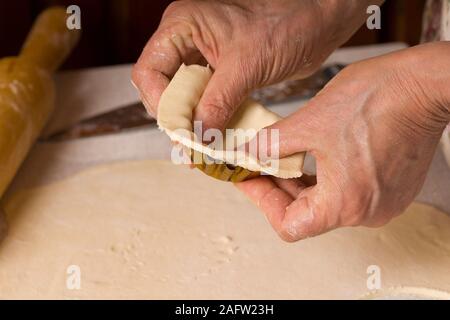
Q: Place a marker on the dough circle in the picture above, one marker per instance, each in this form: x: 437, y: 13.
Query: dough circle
x: 408, y: 293
x: 151, y: 229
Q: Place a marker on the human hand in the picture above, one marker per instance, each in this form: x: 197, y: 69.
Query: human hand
x: 249, y: 44
x: 373, y: 131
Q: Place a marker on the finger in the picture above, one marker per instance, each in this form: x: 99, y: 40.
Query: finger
x: 292, y: 186
x: 286, y: 137
x: 166, y: 50
x: 271, y: 199
x: 309, y: 215
x: 294, y: 135
x: 292, y: 217
x: 225, y: 91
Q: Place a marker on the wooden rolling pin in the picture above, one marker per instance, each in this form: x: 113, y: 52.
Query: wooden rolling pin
x: 27, y: 91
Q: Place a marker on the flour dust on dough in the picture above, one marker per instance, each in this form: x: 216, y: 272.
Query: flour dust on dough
x: 150, y: 230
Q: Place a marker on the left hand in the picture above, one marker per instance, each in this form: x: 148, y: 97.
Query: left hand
x: 248, y: 43
x: 373, y: 131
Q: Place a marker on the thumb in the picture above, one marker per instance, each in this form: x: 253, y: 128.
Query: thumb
x: 226, y: 90
x: 294, y: 213
x: 286, y: 137
x: 307, y: 216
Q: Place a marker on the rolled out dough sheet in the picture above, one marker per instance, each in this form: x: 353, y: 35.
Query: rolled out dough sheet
x: 150, y: 229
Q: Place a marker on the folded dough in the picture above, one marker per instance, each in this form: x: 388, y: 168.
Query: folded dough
x: 175, y: 113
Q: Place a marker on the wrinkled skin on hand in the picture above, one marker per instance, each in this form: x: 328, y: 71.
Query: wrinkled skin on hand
x: 373, y: 131
x: 248, y: 43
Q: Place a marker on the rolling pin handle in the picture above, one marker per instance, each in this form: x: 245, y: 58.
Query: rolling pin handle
x: 3, y: 225
x: 49, y: 41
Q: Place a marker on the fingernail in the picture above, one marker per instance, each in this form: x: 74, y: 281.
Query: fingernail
x: 145, y: 100
x: 134, y: 84
x: 147, y: 105
x: 298, y: 226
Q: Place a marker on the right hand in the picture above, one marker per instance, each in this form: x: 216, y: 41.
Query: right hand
x: 248, y: 43
x: 373, y: 131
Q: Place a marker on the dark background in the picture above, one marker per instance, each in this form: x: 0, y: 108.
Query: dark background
x: 115, y: 31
